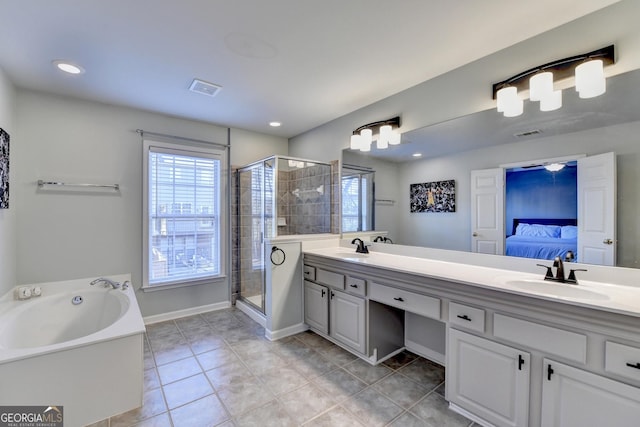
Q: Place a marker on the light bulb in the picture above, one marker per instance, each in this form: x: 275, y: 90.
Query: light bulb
x: 509, y: 103
x: 590, y: 81
x: 356, y: 141
x: 540, y: 85
x: 551, y: 101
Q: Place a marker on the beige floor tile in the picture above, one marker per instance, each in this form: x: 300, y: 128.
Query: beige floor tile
x: 335, y: 417
x: 372, y: 408
x: 204, y: 412
x: 178, y: 370
x: 401, y: 390
x: 306, y: 402
x: 434, y: 410
x: 187, y: 390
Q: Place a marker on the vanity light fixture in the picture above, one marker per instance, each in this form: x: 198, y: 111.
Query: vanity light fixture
x: 362, y: 137
x: 588, y: 69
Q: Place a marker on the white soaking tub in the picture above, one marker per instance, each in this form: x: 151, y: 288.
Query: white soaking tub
x: 77, y: 346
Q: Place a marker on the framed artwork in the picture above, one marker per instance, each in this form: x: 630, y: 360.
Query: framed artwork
x: 4, y: 169
x: 437, y: 196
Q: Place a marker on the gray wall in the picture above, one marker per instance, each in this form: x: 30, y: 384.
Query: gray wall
x: 8, y: 218
x: 63, y: 235
x: 453, y: 231
x: 467, y: 90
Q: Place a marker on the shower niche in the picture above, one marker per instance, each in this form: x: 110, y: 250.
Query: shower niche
x: 277, y: 196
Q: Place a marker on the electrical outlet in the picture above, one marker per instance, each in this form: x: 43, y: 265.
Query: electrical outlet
x: 23, y: 292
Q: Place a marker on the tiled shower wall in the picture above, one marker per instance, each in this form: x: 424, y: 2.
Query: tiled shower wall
x: 308, y: 212
x: 304, y: 200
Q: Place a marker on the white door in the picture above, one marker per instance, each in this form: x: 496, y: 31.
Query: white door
x: 348, y: 320
x: 597, y: 209
x: 488, y: 379
x: 487, y: 211
x: 316, y: 306
x: 575, y: 398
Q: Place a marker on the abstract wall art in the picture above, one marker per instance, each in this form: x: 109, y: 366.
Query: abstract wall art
x: 4, y: 169
x: 437, y: 196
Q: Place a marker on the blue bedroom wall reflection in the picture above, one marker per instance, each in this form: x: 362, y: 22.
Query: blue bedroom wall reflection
x: 539, y: 193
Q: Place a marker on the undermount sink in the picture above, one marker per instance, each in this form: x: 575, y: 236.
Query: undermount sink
x: 555, y: 289
x: 352, y: 254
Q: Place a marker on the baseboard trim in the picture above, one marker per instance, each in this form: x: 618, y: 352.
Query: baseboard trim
x: 472, y: 417
x: 285, y: 332
x: 256, y: 316
x: 425, y: 352
x: 171, y: 315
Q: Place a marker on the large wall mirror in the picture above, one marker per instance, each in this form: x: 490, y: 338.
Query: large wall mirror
x: 520, y: 146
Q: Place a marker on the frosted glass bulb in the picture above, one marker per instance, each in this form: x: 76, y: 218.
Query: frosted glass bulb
x: 395, y: 138
x: 509, y: 103
x: 540, y: 85
x: 551, y: 101
x: 355, y: 142
x: 590, y: 81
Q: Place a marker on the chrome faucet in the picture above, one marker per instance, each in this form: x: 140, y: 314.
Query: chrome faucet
x: 362, y: 248
x: 107, y: 282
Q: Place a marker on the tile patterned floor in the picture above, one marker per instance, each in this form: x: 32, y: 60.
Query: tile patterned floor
x: 217, y: 369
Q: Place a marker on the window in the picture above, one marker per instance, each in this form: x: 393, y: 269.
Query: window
x: 357, y: 200
x: 183, y: 220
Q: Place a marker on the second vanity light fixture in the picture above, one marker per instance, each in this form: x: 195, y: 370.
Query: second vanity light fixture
x: 589, y: 82
x: 387, y: 134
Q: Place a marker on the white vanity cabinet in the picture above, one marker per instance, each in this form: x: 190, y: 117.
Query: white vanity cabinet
x: 573, y: 397
x: 488, y: 379
x: 316, y: 306
x: 329, y: 310
x: 347, y: 320
x: 512, y: 360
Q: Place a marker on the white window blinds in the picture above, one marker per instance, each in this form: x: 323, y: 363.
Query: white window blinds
x: 183, y: 216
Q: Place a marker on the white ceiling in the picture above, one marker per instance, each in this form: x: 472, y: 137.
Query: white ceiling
x: 303, y: 63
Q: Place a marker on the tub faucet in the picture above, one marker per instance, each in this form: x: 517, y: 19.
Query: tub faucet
x: 362, y: 248
x: 107, y: 282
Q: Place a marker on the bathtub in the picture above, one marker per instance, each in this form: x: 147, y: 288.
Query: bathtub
x: 86, y: 357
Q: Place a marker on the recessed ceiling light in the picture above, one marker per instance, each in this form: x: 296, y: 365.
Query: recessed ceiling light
x: 68, y: 67
x: 275, y: 124
x: 417, y: 154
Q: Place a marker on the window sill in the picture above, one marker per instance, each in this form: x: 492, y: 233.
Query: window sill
x: 199, y: 282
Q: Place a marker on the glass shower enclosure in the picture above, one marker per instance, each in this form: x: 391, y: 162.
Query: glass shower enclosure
x: 277, y: 196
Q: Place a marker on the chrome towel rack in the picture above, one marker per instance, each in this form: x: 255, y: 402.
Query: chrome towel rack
x: 42, y: 183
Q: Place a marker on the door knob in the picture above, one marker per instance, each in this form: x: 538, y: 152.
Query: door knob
x: 475, y: 234
x: 607, y: 241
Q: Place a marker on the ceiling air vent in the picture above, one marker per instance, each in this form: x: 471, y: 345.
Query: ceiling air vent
x: 527, y: 133
x: 205, y: 88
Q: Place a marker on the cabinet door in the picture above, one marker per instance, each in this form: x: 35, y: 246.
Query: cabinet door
x: 572, y: 397
x: 488, y: 379
x: 316, y: 306
x: 348, y: 320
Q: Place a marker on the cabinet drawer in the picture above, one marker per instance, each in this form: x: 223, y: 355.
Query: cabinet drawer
x: 466, y: 317
x: 622, y: 360
x: 409, y: 301
x: 356, y: 286
x: 329, y: 278
x: 309, y: 272
x: 548, y: 339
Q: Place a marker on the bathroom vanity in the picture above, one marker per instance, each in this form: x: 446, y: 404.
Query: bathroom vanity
x: 518, y: 350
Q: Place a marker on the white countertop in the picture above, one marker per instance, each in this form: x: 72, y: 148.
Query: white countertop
x: 602, y: 296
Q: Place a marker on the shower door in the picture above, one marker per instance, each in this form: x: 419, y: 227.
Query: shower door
x: 255, y: 209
